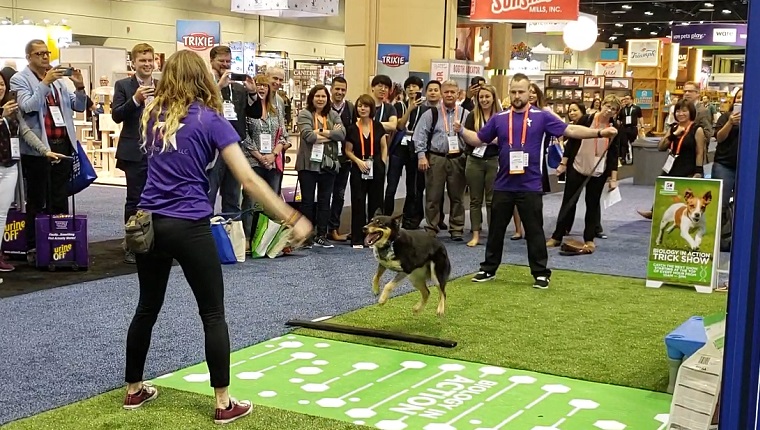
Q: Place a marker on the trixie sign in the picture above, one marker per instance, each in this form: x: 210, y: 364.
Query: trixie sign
x: 199, y: 41
x: 198, y: 36
x: 524, y: 10
x: 393, y: 61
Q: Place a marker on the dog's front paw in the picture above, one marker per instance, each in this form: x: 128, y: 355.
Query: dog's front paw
x: 383, y: 298
x: 375, y: 288
x: 418, y: 307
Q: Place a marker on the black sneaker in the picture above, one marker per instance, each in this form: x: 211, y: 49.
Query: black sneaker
x: 483, y: 276
x: 541, y: 282
x: 323, y: 242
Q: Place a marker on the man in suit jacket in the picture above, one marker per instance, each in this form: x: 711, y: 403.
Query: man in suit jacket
x: 48, y: 109
x: 235, y: 98
x: 129, y: 99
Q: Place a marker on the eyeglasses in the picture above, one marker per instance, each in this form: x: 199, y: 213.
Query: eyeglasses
x: 42, y: 53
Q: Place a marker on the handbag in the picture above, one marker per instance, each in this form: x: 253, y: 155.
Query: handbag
x: 223, y: 242
x: 138, y: 232
x: 233, y: 226
x: 270, y: 238
x: 83, y: 174
x: 554, y: 157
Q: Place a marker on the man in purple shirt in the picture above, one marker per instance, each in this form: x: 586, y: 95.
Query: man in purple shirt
x: 520, y: 132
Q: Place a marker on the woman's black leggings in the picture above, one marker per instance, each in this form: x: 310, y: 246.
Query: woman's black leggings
x: 193, y: 246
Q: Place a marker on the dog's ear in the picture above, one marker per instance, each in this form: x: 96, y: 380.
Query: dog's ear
x: 707, y: 197
x: 688, y: 194
x: 396, y: 219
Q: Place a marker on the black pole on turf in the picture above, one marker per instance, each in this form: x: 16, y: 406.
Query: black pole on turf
x: 382, y: 334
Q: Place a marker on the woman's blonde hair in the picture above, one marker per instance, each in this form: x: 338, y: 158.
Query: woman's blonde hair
x: 264, y: 80
x: 185, y: 80
x: 612, y: 100
x: 480, y: 117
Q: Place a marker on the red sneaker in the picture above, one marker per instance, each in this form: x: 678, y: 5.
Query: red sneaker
x: 146, y: 394
x: 5, y: 266
x: 238, y: 409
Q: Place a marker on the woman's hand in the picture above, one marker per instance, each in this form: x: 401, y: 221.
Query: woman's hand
x: 54, y: 156
x: 10, y: 109
x: 561, y: 169
x: 613, y: 184
x: 267, y: 160
x: 301, y: 231
x: 364, y: 166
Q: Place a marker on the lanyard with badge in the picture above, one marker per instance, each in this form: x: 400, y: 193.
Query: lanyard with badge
x: 453, y: 140
x: 229, y: 109
x: 318, y: 150
x: 369, y: 174
x: 382, y: 113
x: 55, y: 110
x: 628, y: 117
x: 671, y: 157
x: 15, y: 144
x: 408, y: 139
x: 340, y: 115
x: 518, y: 159
x: 480, y: 151
x: 265, y: 139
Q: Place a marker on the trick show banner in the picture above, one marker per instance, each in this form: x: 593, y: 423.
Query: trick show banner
x: 684, y: 245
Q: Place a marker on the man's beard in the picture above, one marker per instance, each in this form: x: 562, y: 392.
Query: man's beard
x: 518, y: 103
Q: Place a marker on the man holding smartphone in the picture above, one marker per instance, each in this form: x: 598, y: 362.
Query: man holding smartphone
x: 131, y: 95
x: 235, y: 97
x: 48, y: 109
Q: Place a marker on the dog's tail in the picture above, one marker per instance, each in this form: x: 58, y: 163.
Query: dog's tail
x: 440, y: 268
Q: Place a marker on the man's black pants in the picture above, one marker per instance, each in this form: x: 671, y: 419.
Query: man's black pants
x: 136, y: 174
x: 530, y: 206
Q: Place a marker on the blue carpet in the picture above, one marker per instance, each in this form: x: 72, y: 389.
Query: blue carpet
x: 67, y: 344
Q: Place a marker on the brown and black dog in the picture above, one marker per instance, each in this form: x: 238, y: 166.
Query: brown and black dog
x: 410, y: 253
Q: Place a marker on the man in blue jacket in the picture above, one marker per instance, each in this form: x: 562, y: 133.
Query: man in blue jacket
x: 48, y: 109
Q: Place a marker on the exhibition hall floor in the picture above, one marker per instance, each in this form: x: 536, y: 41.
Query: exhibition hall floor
x: 580, y: 355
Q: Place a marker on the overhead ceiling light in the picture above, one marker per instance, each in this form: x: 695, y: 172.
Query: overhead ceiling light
x: 707, y: 10
x: 709, y: 4
x: 653, y: 33
x: 670, y: 23
x: 726, y: 11
x: 649, y: 13
x: 626, y: 6
x: 636, y: 28
x: 613, y: 37
x: 701, y: 22
x: 618, y: 24
x: 618, y: 11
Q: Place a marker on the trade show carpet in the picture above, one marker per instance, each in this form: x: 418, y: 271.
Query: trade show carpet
x: 587, y: 327
x: 106, y: 261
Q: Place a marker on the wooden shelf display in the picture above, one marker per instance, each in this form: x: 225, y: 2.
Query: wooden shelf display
x: 562, y: 90
x: 650, y: 61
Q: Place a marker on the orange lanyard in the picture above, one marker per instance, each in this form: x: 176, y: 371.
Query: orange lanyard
x: 680, y: 141
x: 524, y: 128
x: 596, y: 139
x: 445, y: 118
x: 317, y: 117
x: 371, y: 139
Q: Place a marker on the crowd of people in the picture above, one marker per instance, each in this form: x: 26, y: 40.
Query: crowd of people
x: 196, y: 134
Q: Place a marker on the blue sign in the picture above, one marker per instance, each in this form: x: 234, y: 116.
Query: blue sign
x: 198, y: 36
x: 393, y: 61
x: 644, y: 99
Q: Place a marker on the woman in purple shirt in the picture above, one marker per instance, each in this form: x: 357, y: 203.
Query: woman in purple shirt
x: 184, y: 132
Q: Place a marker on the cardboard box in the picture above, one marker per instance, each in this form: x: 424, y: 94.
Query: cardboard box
x: 697, y: 391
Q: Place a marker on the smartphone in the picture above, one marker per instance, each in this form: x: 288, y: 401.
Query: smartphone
x: 418, y: 95
x: 238, y: 77
x: 738, y: 108
x: 68, y: 71
x: 12, y: 94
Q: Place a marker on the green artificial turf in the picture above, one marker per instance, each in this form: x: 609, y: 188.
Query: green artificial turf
x: 591, y: 327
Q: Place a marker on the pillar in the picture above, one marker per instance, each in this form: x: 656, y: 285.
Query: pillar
x: 741, y: 357
x: 428, y: 26
x: 501, y: 53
